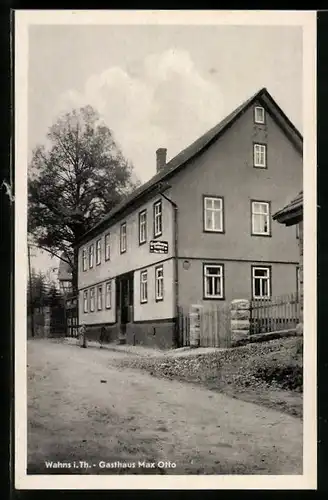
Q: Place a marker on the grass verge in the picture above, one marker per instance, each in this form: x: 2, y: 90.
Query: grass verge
x: 268, y: 373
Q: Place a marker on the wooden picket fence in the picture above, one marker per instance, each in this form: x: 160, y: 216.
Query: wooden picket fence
x: 274, y: 314
x: 214, y: 326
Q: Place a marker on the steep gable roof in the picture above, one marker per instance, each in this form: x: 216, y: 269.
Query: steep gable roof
x: 197, y: 147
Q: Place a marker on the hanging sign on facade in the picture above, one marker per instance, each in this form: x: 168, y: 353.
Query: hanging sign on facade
x: 156, y: 246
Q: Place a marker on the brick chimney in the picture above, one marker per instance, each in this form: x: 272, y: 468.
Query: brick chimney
x: 160, y: 159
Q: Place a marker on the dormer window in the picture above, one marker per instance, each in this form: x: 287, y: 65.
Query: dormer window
x: 259, y: 114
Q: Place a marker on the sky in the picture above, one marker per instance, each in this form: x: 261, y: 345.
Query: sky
x: 157, y: 86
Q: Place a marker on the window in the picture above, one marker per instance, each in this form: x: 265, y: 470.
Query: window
x: 159, y: 283
x: 99, y: 297
x: 213, y: 281
x: 107, y: 246
x: 213, y: 214
x: 143, y: 287
x: 158, y: 218
x: 261, y: 218
x: 260, y: 155
x: 108, y: 293
x: 84, y: 259
x: 98, y: 252
x: 85, y: 301
x: 123, y: 238
x: 92, y: 299
x: 259, y: 115
x: 91, y: 254
x: 142, y: 227
x: 261, y: 282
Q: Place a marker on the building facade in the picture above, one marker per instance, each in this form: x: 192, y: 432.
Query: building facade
x: 292, y: 215
x: 199, y: 231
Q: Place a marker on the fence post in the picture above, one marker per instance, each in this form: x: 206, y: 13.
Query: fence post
x: 240, y: 319
x: 195, y: 319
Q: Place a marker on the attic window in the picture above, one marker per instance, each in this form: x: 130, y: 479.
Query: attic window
x: 259, y: 115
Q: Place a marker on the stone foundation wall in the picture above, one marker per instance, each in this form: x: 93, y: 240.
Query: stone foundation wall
x: 157, y: 334
x: 111, y: 335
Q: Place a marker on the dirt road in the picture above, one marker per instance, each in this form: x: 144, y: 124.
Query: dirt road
x: 87, y: 416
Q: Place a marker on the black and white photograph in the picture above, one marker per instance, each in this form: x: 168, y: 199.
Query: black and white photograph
x: 165, y: 249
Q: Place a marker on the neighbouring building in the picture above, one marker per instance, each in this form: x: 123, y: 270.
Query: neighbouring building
x: 292, y: 215
x: 199, y: 231
x: 65, y: 276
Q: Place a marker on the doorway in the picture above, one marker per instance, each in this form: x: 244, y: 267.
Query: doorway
x: 124, y: 300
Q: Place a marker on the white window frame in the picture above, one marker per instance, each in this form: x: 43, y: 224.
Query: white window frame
x: 99, y: 297
x: 84, y: 259
x: 92, y: 299
x: 98, y: 252
x: 142, y: 227
x: 159, y: 283
x: 91, y: 255
x: 257, y: 110
x: 107, y: 246
x: 260, y: 155
x: 213, y: 210
x: 266, y: 214
x: 261, y: 278
x: 144, y: 287
x: 108, y: 295
x: 85, y: 301
x: 158, y: 218
x: 123, y: 238
x: 213, y: 276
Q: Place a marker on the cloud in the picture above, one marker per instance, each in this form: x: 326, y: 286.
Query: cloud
x: 165, y: 102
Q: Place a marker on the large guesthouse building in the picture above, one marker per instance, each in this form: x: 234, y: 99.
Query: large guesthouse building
x: 199, y: 231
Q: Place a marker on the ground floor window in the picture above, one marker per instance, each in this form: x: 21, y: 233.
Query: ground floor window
x: 159, y: 283
x: 213, y: 281
x: 108, y: 299
x: 144, y: 287
x: 261, y: 282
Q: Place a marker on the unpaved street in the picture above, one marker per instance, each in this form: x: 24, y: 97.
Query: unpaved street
x: 85, y: 412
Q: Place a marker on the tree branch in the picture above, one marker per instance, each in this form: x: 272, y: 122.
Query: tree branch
x: 51, y: 252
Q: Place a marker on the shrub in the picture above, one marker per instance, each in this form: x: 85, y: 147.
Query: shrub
x: 286, y: 376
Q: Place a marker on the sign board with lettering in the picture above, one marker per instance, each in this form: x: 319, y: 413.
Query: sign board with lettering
x: 156, y: 246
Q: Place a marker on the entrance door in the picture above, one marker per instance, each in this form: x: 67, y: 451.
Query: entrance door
x: 124, y: 300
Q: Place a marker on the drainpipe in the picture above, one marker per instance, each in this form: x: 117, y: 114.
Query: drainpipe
x: 176, y: 268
